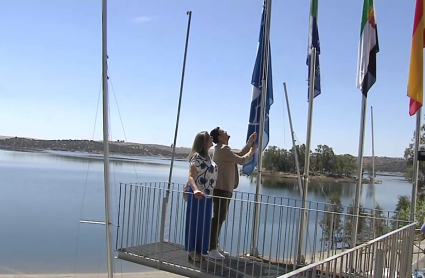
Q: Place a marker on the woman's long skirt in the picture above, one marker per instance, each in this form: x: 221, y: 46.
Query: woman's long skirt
x: 198, y: 223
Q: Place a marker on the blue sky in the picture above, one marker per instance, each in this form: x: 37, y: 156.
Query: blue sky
x: 50, y: 70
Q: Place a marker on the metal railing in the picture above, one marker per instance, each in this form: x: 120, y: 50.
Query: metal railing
x: 387, y: 256
x: 418, y: 258
x: 328, y: 229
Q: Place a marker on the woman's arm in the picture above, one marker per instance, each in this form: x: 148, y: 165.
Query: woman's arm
x: 193, y: 172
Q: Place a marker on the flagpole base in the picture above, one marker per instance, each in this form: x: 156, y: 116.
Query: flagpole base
x: 254, y: 252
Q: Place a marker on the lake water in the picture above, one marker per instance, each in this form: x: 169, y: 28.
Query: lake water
x: 45, y: 194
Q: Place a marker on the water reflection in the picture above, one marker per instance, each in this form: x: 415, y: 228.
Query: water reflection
x: 316, y: 187
x: 320, y: 191
x: 116, y: 159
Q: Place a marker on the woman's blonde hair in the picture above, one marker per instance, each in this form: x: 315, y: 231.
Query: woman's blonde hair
x: 200, y: 145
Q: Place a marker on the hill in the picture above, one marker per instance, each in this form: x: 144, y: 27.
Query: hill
x: 91, y: 146
x: 386, y: 164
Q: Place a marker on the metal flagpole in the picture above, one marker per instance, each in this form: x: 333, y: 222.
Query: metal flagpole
x: 180, y: 100
x: 264, y: 86
x: 373, y: 173
x: 359, y: 173
x: 106, y: 140
x: 294, y: 148
x: 415, y: 165
x: 297, y: 165
x: 307, y: 152
x: 165, y: 199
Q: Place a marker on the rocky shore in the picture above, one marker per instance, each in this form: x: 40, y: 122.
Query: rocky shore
x: 313, y: 176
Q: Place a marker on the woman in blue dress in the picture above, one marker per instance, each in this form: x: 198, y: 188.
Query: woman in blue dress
x: 202, y: 178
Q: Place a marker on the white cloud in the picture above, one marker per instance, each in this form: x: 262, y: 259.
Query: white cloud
x: 140, y: 19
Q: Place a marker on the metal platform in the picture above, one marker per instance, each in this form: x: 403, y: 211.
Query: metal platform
x: 151, y: 231
x: 175, y: 260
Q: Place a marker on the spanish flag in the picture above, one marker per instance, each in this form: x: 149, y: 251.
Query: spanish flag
x: 415, y: 84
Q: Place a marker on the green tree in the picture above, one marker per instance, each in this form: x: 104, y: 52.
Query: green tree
x: 408, y: 155
x: 362, y: 225
x: 402, y: 212
x: 323, y: 160
x: 368, y: 168
x: 327, y: 159
x: 331, y: 222
x: 301, y: 155
x: 346, y: 165
x: 318, y: 155
x: 379, y: 222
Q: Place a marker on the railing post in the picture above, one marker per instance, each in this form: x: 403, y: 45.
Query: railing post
x: 393, y: 254
x: 379, y: 263
x: 404, y: 254
x: 162, y: 228
x: 297, y: 251
x: 118, y: 218
x: 407, y: 255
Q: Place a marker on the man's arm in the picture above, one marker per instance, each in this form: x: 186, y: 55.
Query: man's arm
x: 248, y: 145
x: 245, y: 149
x: 229, y: 155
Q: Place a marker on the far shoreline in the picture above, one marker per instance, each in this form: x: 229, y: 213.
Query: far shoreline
x: 313, y: 177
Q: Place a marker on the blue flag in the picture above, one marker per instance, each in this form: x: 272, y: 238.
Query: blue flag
x: 314, y: 42
x: 256, y: 102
